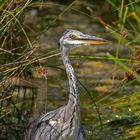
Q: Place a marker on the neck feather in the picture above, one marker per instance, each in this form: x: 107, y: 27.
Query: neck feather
x: 74, y: 95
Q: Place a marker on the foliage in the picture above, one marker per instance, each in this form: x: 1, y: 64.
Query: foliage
x: 116, y: 107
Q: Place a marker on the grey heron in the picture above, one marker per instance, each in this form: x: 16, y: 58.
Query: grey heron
x: 64, y: 122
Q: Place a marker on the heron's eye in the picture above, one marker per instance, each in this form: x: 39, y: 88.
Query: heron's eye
x: 72, y: 36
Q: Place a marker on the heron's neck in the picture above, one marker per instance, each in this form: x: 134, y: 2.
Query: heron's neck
x: 73, y: 96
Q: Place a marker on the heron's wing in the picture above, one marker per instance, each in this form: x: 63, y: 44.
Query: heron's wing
x: 46, y: 127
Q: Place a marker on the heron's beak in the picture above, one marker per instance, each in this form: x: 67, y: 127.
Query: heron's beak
x: 92, y: 40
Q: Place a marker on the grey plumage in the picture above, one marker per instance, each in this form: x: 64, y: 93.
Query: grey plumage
x: 64, y: 122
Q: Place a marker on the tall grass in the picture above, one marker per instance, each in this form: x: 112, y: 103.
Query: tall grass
x: 17, y: 57
x: 126, y: 31
x: 14, y: 48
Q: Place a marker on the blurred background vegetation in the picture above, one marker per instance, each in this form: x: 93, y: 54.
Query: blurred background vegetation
x: 32, y: 77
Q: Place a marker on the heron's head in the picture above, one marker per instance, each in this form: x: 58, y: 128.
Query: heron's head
x: 73, y: 38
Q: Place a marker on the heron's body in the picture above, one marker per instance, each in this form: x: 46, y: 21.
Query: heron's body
x: 64, y: 122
